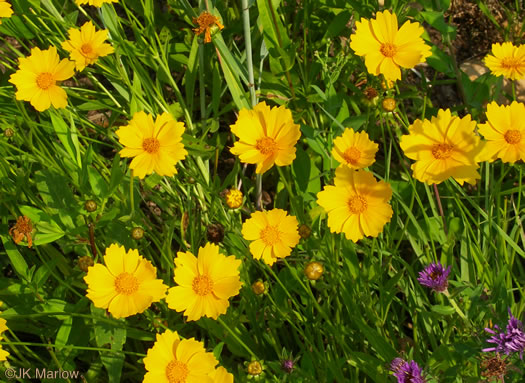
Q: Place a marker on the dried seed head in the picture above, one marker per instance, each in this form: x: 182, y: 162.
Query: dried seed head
x: 304, y: 231
x: 85, y: 262
x: 215, y: 232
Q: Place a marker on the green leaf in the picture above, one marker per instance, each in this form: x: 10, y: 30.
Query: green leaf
x: 68, y: 136
x: 301, y: 168
x: 17, y: 261
x: 443, y: 310
x: 436, y: 20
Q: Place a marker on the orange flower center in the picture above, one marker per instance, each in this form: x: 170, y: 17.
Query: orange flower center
x: 202, y: 285
x: 86, y: 48
x: 510, y: 63
x: 266, y: 145
x: 352, y: 155
x: 357, y: 204
x: 151, y: 145
x: 513, y: 136
x: 45, y: 80
x: 126, y: 283
x: 442, y: 151
x: 176, y: 372
x: 270, y: 235
x: 388, y: 50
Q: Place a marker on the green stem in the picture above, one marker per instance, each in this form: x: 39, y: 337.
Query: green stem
x: 236, y: 337
x: 131, y: 197
x: 454, y: 304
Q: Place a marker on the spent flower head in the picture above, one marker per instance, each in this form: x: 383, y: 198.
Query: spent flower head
x: 435, y: 276
x: 22, y: 228
x: 206, y: 21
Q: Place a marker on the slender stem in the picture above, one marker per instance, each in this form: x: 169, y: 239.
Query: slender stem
x: 513, y: 90
x: 454, y: 304
x: 236, y: 337
x: 131, y: 193
x: 440, y: 207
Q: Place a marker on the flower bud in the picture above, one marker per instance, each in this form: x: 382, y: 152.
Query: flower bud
x: 137, y: 233
x: 9, y: 132
x: 255, y: 368
x: 304, y: 231
x: 314, y: 271
x: 389, y: 104
x: 90, y: 206
x: 258, y: 287
x: 233, y: 198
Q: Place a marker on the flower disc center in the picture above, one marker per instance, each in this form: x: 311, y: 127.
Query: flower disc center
x: 352, y: 155
x: 126, y: 283
x: 86, y: 48
x: 266, y: 145
x: 270, y: 235
x: 176, y: 372
x: 442, y: 151
x: 513, y: 136
x: 45, y: 80
x: 510, y: 63
x: 202, y: 285
x: 388, y: 50
x: 151, y: 145
x: 357, y: 204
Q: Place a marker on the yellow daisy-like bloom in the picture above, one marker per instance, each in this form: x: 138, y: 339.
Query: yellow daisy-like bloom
x: 3, y: 327
x: 354, y: 149
x: 274, y: 233
x: 233, y: 198
x: 156, y: 146
x: 507, y: 60
x: 267, y: 136
x: 504, y: 132
x: 221, y: 375
x: 444, y: 147
x: 127, y: 285
x: 175, y: 360
x: 205, y: 283
x: 206, y: 21
x: 96, y: 3
x: 5, y: 10
x: 386, y: 48
x: 357, y: 205
x: 37, y: 77
x: 86, y: 45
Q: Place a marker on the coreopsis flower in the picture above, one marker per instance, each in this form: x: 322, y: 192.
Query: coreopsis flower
x: 504, y: 132
x: 444, y: 147
x: 86, y: 45
x: 354, y: 149
x: 206, y: 21
x: 435, y: 276
x: 507, y: 60
x: 155, y: 145
x: 22, y: 229
x: 357, y: 205
x: 5, y: 10
x: 221, y: 375
x: 3, y: 327
x: 233, y: 198
x: 126, y: 285
x: 509, y: 341
x: 205, y: 283
x: 96, y: 3
x: 407, y: 372
x: 267, y: 136
x: 175, y: 360
x: 273, y: 234
x: 37, y: 77
x: 385, y: 48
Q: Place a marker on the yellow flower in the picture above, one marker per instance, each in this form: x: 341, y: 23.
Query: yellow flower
x: 386, y: 48
x: 206, y: 21
x: 96, y: 3
x: 5, y: 9
x: 233, y: 198
x: 357, y: 205
x: 205, y: 283
x: 175, y: 360
x: 37, y: 76
x: 85, y: 45
x: 127, y: 285
x: 3, y: 353
x: 156, y: 146
x: 273, y: 233
x: 354, y: 149
x: 504, y: 132
x: 221, y: 375
x: 266, y: 136
x: 507, y: 60
x: 444, y: 147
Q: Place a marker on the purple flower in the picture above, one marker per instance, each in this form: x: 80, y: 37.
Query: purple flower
x: 511, y: 340
x: 435, y: 276
x: 406, y: 372
x: 287, y: 365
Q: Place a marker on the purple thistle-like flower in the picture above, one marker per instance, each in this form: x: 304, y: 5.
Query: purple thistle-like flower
x: 287, y: 365
x: 407, y: 372
x: 435, y: 276
x: 511, y: 340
